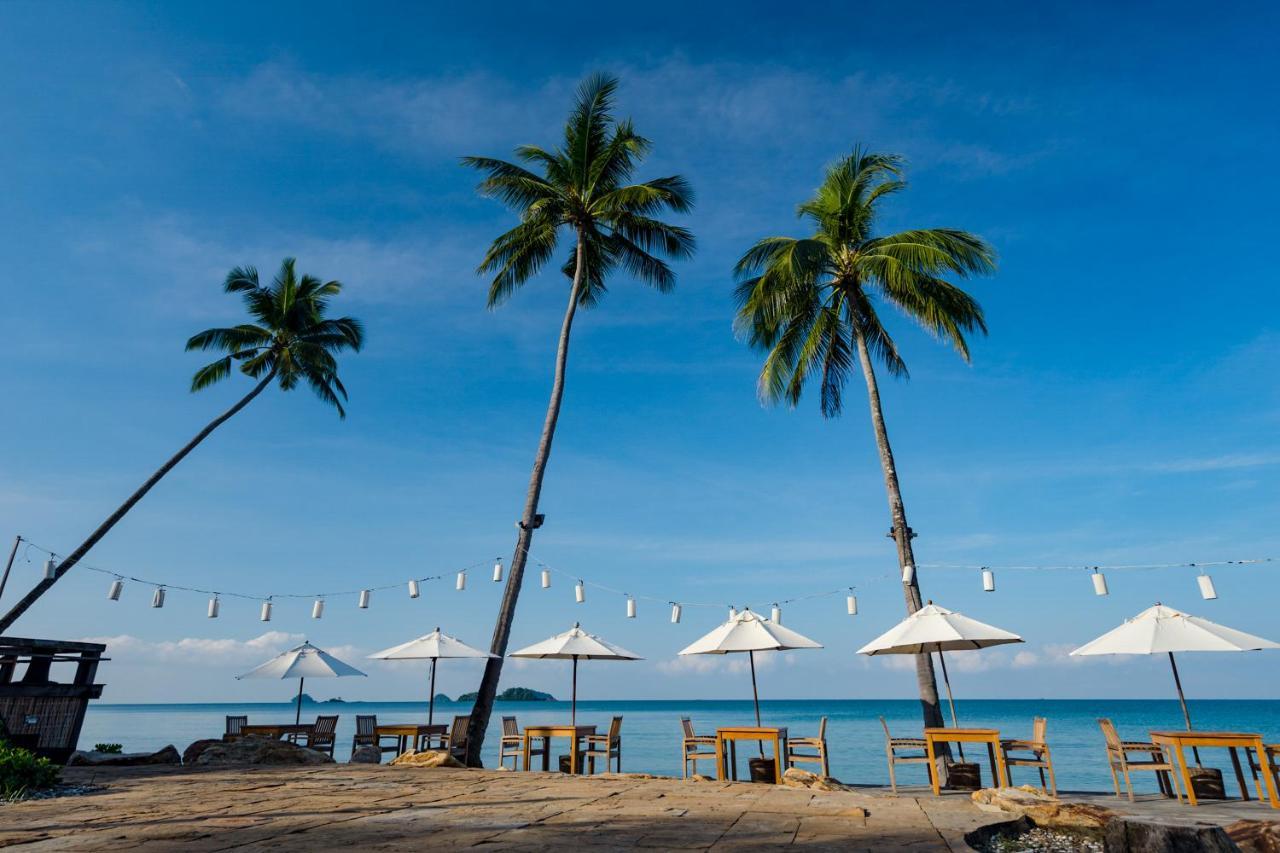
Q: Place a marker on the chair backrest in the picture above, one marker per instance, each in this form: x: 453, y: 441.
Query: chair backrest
x: 458, y: 732
x: 885, y: 723
x: 615, y: 728
x: 366, y: 723
x: 325, y: 726
x: 234, y: 724
x: 1039, y: 730
x: 1109, y: 732
x: 687, y: 725
x: 822, y: 729
x: 509, y: 726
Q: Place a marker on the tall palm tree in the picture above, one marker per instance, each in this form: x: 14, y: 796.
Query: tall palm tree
x: 289, y: 339
x: 580, y: 191
x: 812, y: 303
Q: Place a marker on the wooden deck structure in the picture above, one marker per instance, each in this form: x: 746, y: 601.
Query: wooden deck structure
x: 37, y: 712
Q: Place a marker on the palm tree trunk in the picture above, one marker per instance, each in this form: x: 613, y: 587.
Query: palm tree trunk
x: 67, y: 564
x: 926, y: 680
x: 529, y: 522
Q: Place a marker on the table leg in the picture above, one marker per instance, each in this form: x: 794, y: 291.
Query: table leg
x: 1235, y: 762
x: 733, y: 760
x: 721, y: 772
x: 1265, y: 763
x: 526, y: 751
x: 779, y: 756
x: 573, y: 755
x: 1003, y: 780
x: 1185, y: 774
x: 933, y: 765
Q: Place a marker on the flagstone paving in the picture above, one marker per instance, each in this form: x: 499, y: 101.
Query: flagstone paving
x: 380, y: 808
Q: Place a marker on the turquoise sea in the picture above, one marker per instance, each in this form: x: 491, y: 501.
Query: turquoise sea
x: 651, y: 729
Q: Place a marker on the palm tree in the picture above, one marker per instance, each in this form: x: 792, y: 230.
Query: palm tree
x: 579, y: 191
x: 812, y: 304
x: 289, y: 340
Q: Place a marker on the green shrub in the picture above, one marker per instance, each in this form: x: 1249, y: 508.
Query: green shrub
x: 109, y: 748
x: 21, y: 771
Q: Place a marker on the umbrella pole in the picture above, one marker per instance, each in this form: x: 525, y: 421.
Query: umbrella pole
x: 755, y: 697
x: 573, y: 707
x: 1186, y: 715
x: 297, y: 717
x: 431, y: 703
x: 946, y: 679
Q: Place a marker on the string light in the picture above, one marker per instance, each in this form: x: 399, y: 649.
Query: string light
x: 851, y: 603
x: 546, y: 579
x: 363, y: 604
x: 461, y: 583
x: 317, y: 609
x: 213, y: 607
x: 50, y: 569
x: 1099, y: 583
x: 117, y: 587
x: 266, y: 611
x: 675, y: 613
x: 580, y: 593
x: 775, y: 615
x: 631, y: 608
x: 908, y: 573
x: 1207, y: 591
x: 157, y: 597
x: 988, y: 581
x: 733, y: 613
x: 497, y: 571
x: 413, y: 589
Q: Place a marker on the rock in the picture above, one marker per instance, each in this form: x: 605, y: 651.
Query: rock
x: 427, y: 758
x: 794, y: 777
x: 1042, y: 809
x: 1131, y: 835
x: 1256, y: 836
x: 698, y: 777
x: 192, y: 752
x: 254, y: 750
x: 168, y: 755
x: 367, y: 754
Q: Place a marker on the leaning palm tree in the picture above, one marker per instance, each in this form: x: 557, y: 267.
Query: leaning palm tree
x: 289, y: 340
x: 812, y: 303
x: 579, y: 191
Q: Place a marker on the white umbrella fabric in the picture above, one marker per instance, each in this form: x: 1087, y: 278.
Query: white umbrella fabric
x: 302, y: 662
x: 575, y: 644
x: 1164, y: 630
x: 937, y: 629
x: 749, y: 632
x: 432, y: 647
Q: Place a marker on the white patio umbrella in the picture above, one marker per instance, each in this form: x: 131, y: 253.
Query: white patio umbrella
x: 302, y: 662
x: 575, y: 644
x: 432, y: 647
x: 750, y: 633
x: 937, y: 629
x: 1164, y: 630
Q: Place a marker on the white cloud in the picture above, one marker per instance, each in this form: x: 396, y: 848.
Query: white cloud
x: 128, y: 648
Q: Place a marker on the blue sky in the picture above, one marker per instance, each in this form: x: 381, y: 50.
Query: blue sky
x: 1124, y: 408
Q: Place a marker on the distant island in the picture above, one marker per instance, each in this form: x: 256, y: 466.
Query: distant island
x: 514, y: 694
x: 308, y: 699
x: 440, y: 697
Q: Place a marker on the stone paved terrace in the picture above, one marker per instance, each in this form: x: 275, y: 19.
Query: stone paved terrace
x: 379, y: 808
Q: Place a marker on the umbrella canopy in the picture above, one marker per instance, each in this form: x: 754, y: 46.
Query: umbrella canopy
x: 302, y: 662
x: 937, y: 629
x: 1164, y: 630
x: 431, y: 647
x: 575, y: 644
x: 749, y: 632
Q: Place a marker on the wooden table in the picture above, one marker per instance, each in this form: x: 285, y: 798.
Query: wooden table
x: 727, y: 749
x: 575, y: 734
x: 991, y: 737
x: 405, y: 733
x: 1177, y: 742
x: 278, y: 730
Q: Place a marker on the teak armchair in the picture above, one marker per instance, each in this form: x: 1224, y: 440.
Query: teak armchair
x: 818, y: 744
x: 512, y: 745
x: 694, y: 747
x: 1118, y: 760
x: 457, y: 744
x: 323, y: 737
x: 893, y: 744
x: 608, y: 747
x: 1039, y: 758
x: 234, y: 725
x: 1268, y: 762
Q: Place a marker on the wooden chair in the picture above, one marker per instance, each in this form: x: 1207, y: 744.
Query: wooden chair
x: 1269, y: 761
x: 512, y: 745
x: 457, y: 743
x: 234, y: 725
x: 367, y: 735
x: 692, y: 747
x: 1118, y: 760
x: 1039, y: 758
x: 608, y: 747
x: 893, y: 744
x: 818, y: 743
x: 324, y: 736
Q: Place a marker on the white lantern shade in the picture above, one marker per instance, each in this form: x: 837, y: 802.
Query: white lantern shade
x: 117, y: 587
x: 364, y: 599
x: 775, y: 615
x: 988, y: 581
x: 50, y: 569
x: 497, y: 572
x: 266, y: 611
x: 157, y: 597
x: 213, y: 607
x: 1206, y: 587
x: 317, y: 609
x: 546, y: 579
x: 1099, y: 583
x: 414, y: 592
x: 851, y: 604
x: 580, y: 593
x: 733, y: 613
x: 908, y: 573
x: 462, y: 581
x: 675, y: 614
x: 631, y: 608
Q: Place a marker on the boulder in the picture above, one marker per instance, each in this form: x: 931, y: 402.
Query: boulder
x: 427, y: 758
x: 192, y: 752
x: 168, y: 755
x: 698, y: 777
x: 367, y: 754
x: 1256, y: 836
x: 1042, y: 809
x: 252, y: 750
x: 1132, y: 835
x: 794, y: 777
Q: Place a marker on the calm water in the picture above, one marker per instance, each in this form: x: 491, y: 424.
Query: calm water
x: 651, y: 729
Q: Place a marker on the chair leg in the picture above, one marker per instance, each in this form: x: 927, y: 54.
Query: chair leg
x: 1043, y: 787
x: 1114, y: 779
x: 1053, y: 784
x: 1128, y: 783
x: 893, y: 777
x: 826, y: 768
